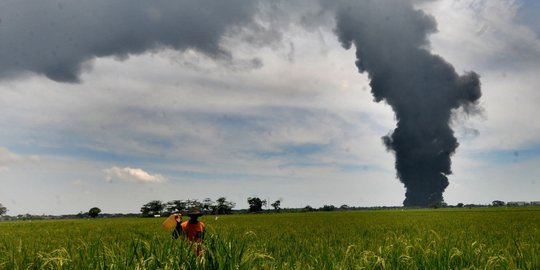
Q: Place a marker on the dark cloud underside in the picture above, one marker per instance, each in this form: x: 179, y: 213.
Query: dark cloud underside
x: 55, y: 38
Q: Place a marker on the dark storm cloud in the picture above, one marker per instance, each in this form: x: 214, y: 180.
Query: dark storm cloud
x: 55, y: 38
x: 391, y: 44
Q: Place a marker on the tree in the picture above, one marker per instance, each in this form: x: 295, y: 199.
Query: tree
x: 276, y: 205
x: 328, y: 208
x: 208, y: 205
x: 255, y: 204
x: 193, y: 203
x: 3, y: 210
x: 223, y: 206
x: 94, y: 212
x: 175, y: 206
x: 498, y: 203
x: 439, y: 204
x: 460, y: 205
x: 308, y: 208
x: 152, y: 208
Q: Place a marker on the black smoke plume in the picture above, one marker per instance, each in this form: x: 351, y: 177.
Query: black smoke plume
x: 424, y: 90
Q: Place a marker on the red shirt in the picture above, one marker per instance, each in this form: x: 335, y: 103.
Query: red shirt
x: 193, y: 231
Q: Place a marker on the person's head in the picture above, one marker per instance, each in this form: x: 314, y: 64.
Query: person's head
x: 178, y: 217
x: 194, y: 213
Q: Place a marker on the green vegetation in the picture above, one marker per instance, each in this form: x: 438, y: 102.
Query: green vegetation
x: 94, y: 212
x: 3, y: 210
x: 491, y: 238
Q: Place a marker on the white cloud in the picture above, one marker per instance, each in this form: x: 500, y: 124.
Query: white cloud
x: 158, y: 107
x: 8, y: 158
x: 483, y: 34
x: 136, y: 175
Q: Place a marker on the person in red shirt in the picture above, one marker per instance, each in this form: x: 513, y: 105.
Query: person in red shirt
x: 193, y: 229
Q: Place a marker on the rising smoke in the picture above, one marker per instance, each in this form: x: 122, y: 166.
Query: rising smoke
x: 424, y: 90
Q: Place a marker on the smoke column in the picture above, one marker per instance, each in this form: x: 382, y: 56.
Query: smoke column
x: 391, y: 44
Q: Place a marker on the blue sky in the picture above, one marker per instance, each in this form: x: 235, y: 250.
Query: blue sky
x: 279, y: 112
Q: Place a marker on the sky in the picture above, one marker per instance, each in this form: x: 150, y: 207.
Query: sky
x: 115, y: 104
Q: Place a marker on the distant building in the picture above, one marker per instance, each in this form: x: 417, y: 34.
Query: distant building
x: 535, y: 203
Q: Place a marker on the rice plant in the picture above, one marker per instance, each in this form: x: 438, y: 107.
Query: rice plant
x: 503, y: 238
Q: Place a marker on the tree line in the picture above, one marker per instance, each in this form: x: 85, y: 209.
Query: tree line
x: 221, y: 206
x: 158, y: 208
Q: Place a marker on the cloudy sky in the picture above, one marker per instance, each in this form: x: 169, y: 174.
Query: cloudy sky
x: 114, y: 104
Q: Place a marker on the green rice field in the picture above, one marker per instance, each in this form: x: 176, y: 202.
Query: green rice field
x: 490, y: 238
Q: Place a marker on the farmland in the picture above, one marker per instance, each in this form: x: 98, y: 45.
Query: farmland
x: 491, y: 238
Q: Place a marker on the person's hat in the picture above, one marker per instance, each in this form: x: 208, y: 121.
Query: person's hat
x: 195, y: 212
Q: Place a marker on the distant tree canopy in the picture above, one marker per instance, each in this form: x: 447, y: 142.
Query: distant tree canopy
x: 223, y: 206
x: 276, y: 205
x: 94, y: 212
x: 255, y: 204
x: 497, y: 203
x: 3, y: 210
x: 152, y: 208
x: 175, y: 206
x: 219, y: 207
x: 439, y: 204
x: 208, y: 205
x: 327, y: 208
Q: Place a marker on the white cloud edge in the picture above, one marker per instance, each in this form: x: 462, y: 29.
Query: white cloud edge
x: 8, y: 158
x: 134, y: 175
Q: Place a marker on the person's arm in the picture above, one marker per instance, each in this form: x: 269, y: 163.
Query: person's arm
x: 203, y: 231
x: 177, y: 230
x: 185, y: 229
